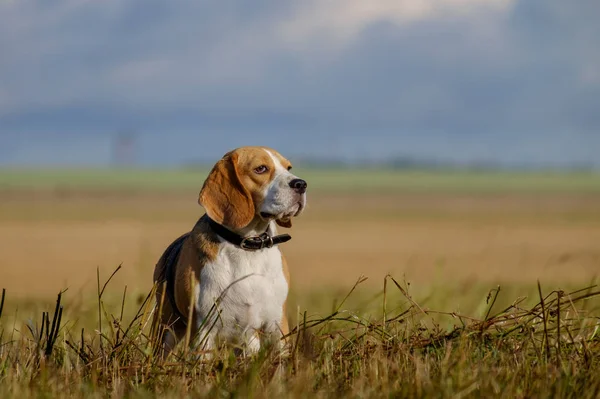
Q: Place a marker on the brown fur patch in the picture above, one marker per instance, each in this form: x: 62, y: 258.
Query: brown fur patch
x: 199, y: 248
x: 224, y: 197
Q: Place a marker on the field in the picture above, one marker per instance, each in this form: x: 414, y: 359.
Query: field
x: 429, y: 320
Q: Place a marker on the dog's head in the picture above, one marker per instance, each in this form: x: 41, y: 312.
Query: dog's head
x: 249, y: 183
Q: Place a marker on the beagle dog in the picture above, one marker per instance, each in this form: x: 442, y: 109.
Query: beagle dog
x: 227, y: 280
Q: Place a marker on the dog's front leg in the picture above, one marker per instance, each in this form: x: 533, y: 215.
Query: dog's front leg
x: 252, y: 344
x: 204, y: 344
x: 273, y: 335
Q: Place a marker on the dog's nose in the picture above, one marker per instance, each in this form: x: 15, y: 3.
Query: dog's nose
x: 299, y: 185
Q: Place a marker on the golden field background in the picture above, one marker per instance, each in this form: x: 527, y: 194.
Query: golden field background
x: 56, y: 239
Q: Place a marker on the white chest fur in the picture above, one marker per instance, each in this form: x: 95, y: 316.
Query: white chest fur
x: 247, y: 288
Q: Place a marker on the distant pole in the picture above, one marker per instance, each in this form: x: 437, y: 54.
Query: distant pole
x: 124, y: 149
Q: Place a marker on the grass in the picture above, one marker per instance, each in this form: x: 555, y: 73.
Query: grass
x: 332, y: 180
x: 547, y: 345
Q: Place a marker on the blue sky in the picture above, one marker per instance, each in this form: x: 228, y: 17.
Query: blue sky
x: 508, y: 81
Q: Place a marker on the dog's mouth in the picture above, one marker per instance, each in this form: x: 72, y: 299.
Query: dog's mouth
x: 300, y: 208
x: 266, y: 215
x: 295, y: 210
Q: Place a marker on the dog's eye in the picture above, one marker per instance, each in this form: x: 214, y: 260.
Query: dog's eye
x: 261, y: 169
x: 289, y: 167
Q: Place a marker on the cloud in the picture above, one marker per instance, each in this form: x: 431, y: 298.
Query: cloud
x: 339, y: 22
x: 85, y: 50
x: 498, y: 72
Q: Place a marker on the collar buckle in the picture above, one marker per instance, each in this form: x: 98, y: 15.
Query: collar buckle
x: 257, y: 243
x: 267, y: 241
x: 245, y: 244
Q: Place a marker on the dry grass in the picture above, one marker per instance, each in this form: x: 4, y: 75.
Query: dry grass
x: 550, y: 349
x: 445, y: 334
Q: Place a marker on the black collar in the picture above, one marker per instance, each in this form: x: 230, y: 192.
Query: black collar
x: 265, y: 240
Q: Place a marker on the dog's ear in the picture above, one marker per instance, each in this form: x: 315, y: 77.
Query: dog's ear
x: 224, y: 197
x: 285, y: 223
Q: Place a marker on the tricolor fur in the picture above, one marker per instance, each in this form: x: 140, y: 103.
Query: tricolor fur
x: 237, y: 296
